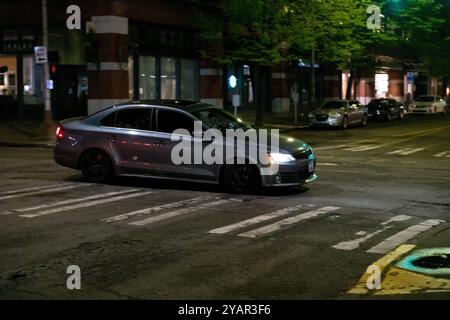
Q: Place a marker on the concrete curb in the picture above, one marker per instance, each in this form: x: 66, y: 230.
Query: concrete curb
x: 27, y: 145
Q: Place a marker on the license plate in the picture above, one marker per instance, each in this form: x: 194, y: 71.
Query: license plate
x: 311, y: 166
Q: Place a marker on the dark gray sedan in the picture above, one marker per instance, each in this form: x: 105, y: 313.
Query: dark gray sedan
x: 136, y: 139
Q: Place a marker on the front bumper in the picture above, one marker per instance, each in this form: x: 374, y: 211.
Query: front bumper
x: 291, y: 175
x: 330, y: 122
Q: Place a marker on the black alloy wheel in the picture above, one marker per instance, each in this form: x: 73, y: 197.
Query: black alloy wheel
x: 96, y: 166
x: 242, y: 178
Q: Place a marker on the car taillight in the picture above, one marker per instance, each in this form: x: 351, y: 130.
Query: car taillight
x: 59, y: 132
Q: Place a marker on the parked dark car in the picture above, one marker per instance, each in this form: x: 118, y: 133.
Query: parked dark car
x: 135, y: 139
x: 385, y: 109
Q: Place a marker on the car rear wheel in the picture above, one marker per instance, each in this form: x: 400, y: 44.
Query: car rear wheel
x: 96, y: 166
x: 364, y: 121
x: 242, y: 178
x: 388, y: 117
x: 344, y: 124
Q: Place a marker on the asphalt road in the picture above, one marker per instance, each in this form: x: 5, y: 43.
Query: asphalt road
x: 379, y: 187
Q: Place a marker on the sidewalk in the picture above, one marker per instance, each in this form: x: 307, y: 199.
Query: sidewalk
x: 26, y: 133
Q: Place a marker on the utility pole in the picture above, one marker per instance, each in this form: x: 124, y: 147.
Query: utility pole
x: 48, y: 120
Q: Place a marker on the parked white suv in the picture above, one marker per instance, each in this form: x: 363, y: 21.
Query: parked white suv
x: 428, y: 104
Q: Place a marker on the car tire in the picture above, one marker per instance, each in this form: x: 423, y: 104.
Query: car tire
x: 96, y: 166
x: 364, y: 120
x: 242, y: 178
x: 344, y: 124
x: 388, y: 117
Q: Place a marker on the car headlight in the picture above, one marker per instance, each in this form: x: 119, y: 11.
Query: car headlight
x: 334, y: 115
x: 276, y: 157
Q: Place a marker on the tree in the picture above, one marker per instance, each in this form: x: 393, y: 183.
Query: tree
x: 252, y: 32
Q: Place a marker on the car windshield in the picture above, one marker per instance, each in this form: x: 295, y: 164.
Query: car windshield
x: 218, y: 119
x: 425, y: 98
x: 334, y: 105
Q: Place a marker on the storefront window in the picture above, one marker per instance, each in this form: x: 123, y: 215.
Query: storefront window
x: 168, y: 78
x: 187, y: 79
x: 165, y: 78
x: 147, y: 77
x: 8, y: 79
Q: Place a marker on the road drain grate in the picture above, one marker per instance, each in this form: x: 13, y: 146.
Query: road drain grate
x: 434, y: 261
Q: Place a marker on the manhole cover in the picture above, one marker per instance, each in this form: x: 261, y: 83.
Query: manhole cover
x: 434, y: 261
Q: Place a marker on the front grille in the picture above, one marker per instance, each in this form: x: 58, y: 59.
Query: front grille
x: 289, y: 177
x: 302, y: 154
x: 321, y: 117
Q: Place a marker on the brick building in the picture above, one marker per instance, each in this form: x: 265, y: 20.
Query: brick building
x: 143, y: 49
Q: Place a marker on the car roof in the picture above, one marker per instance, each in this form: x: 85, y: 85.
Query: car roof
x: 186, y: 105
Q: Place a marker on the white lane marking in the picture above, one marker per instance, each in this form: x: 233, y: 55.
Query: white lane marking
x: 406, y: 151
x: 403, y: 236
x: 398, y: 218
x: 443, y: 154
x: 363, y: 148
x: 258, y: 219
x: 34, y: 188
x: 178, y: 212
x: 354, y: 244
x: 291, y: 220
x: 97, y: 196
x: 26, y: 194
x: 159, y: 208
x: 85, y: 204
x: 330, y: 147
x: 328, y: 164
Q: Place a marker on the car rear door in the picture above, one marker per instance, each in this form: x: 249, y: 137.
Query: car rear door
x: 130, y: 140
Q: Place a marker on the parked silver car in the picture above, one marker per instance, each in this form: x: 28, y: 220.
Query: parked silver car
x: 339, y: 113
x: 135, y: 139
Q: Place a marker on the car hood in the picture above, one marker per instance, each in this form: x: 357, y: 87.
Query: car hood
x: 423, y: 103
x: 326, y: 111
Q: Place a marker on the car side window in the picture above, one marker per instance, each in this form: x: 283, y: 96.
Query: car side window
x: 134, y: 118
x: 169, y: 121
x: 109, y: 120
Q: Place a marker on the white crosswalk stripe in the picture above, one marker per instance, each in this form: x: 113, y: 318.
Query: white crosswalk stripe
x: 47, y: 190
x: 156, y: 209
x: 403, y: 236
x: 34, y: 188
x: 86, y: 204
x: 288, y: 221
x: 363, y: 148
x: 179, y: 212
x: 355, y: 243
x: 258, y: 219
x: 445, y: 154
x: 406, y: 151
x: 68, y: 201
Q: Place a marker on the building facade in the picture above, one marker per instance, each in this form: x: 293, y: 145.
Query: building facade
x: 145, y: 49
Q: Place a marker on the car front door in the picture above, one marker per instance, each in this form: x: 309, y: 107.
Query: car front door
x: 169, y: 120
x: 130, y: 140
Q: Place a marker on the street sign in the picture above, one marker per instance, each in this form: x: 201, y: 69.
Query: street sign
x: 410, y: 76
x: 40, y: 55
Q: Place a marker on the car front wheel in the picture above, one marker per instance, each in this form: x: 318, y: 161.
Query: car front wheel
x: 96, y: 166
x: 241, y: 178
